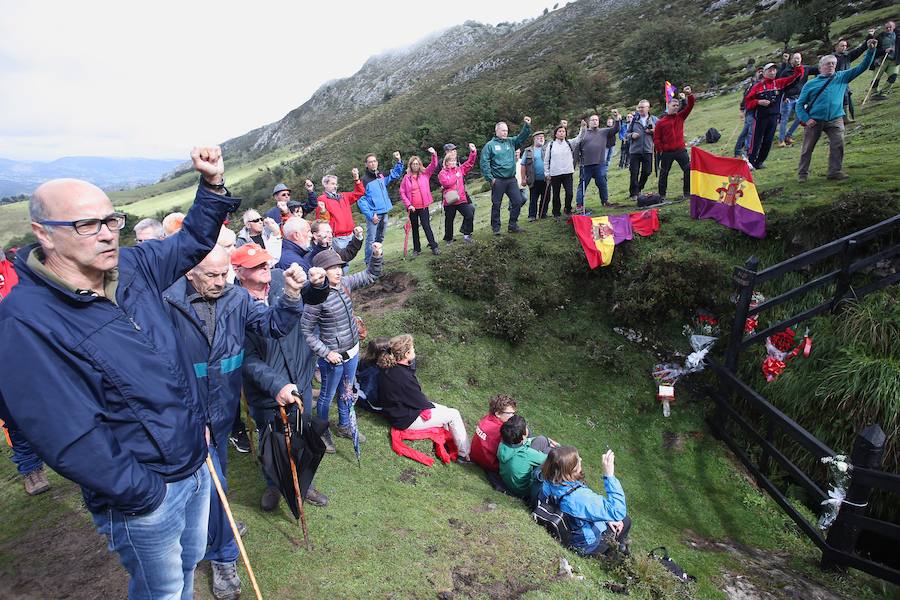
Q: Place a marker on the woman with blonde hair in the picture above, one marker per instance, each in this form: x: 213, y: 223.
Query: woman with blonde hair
x: 453, y: 192
x: 405, y: 405
x: 598, y: 524
x: 415, y: 191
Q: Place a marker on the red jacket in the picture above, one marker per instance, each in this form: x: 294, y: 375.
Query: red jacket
x: 337, y: 212
x: 668, y: 135
x: 8, y: 278
x: 770, y: 89
x: 485, y: 443
x: 444, y: 446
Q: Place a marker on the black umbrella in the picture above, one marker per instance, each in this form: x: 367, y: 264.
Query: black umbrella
x: 293, y: 448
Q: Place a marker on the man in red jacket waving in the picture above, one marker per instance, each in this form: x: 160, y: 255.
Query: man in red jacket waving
x: 668, y: 137
x: 764, y: 99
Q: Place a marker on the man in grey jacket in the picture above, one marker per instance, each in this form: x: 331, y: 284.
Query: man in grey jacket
x: 592, y: 142
x: 640, y: 131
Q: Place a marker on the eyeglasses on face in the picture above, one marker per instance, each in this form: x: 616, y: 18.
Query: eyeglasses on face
x: 258, y: 220
x: 113, y: 222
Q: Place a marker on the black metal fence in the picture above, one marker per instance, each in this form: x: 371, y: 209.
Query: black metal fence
x: 758, y: 432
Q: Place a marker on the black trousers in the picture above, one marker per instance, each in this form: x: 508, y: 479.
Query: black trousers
x: 557, y: 182
x: 509, y: 187
x: 665, y: 165
x: 467, y: 211
x: 640, y: 166
x: 624, y: 155
x: 535, y: 194
x: 763, y: 133
x: 421, y: 217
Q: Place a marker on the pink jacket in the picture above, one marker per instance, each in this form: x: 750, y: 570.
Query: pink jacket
x: 406, y: 186
x: 453, y: 179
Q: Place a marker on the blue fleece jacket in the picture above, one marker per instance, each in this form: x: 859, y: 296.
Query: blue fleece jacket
x: 829, y: 104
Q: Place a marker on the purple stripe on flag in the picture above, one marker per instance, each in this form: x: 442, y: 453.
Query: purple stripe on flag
x: 736, y: 217
x: 621, y: 226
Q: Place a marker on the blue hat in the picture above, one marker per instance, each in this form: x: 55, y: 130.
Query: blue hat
x: 280, y: 188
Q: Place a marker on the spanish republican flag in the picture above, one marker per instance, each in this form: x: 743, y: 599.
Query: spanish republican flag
x: 722, y: 189
x: 599, y: 236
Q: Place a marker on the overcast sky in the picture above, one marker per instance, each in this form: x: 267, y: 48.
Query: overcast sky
x: 152, y: 79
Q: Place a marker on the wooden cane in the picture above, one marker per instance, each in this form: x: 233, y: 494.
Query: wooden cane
x: 237, y: 536
x: 876, y: 78
x: 287, y: 441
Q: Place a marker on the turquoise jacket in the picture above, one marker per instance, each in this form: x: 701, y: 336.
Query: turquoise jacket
x: 498, y: 157
x: 829, y: 105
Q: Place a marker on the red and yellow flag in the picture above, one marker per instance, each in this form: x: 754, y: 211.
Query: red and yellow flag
x: 722, y: 189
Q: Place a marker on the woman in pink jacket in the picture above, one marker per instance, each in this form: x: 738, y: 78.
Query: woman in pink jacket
x: 415, y: 192
x: 452, y: 179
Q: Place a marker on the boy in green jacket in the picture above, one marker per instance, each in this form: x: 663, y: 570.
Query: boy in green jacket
x: 520, y: 455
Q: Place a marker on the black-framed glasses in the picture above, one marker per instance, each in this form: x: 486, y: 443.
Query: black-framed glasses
x: 259, y: 220
x: 113, y: 222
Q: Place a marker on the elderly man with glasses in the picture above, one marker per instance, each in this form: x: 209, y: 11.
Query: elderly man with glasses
x: 93, y: 381
x: 821, y: 108
x: 262, y: 231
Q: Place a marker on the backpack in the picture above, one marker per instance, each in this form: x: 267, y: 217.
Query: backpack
x: 670, y: 565
x: 648, y: 199
x: 712, y: 135
x: 550, y: 516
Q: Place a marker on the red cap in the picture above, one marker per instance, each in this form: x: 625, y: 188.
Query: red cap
x: 250, y: 255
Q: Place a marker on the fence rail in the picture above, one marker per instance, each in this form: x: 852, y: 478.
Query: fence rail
x: 762, y: 426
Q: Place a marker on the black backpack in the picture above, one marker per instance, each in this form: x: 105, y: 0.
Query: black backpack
x: 670, y: 564
x: 649, y: 199
x: 550, y: 516
x: 713, y: 135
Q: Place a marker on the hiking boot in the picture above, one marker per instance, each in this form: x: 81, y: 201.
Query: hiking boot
x: 345, y: 432
x: 514, y: 229
x: 270, y: 499
x: 464, y: 461
x: 759, y: 166
x: 415, y: 253
x: 802, y: 178
x: 789, y: 141
x: 467, y: 239
x: 496, y: 232
x: 435, y: 250
x: 532, y: 219
x: 839, y: 176
x: 448, y: 242
x: 315, y: 497
x: 329, y: 443
x: 240, y: 440
x: 633, y: 198
x: 878, y: 96
x: 226, y: 583
x: 36, y: 482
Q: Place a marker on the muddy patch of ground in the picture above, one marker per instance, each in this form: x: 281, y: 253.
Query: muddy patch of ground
x: 74, y: 563
x: 766, y: 574
x: 469, y: 583
x: 408, y: 476
x: 675, y: 441
x: 390, y: 292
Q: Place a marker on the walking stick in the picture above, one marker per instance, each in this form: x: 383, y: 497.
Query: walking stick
x: 543, y: 205
x: 287, y: 441
x: 237, y: 536
x: 876, y: 78
x: 249, y: 422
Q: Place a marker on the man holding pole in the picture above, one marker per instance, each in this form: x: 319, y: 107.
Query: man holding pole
x: 886, y: 59
x: 93, y: 381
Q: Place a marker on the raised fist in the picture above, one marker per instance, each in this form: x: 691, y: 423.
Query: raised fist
x: 294, y: 279
x: 431, y: 150
x: 527, y: 120
x: 583, y: 123
x: 317, y: 276
x: 207, y: 161
x: 616, y: 114
x: 564, y: 122
x: 309, y: 185
x: 471, y: 147
x: 358, y: 232
x: 355, y: 173
x: 396, y: 156
x: 871, y: 43
x: 688, y: 90
x: 377, y: 249
x: 271, y: 224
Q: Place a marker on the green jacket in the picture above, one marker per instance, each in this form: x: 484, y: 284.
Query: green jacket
x: 498, y: 157
x: 516, y: 464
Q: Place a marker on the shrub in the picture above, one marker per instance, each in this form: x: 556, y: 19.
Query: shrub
x: 508, y: 316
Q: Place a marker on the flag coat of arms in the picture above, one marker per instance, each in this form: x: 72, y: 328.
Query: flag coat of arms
x: 722, y: 189
x: 599, y: 236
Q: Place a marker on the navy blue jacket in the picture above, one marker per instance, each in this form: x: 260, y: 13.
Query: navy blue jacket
x: 217, y: 368
x: 292, y: 253
x: 272, y: 363
x: 95, y: 386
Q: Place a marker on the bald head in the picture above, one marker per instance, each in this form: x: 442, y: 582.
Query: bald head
x: 209, y: 277
x: 55, y: 199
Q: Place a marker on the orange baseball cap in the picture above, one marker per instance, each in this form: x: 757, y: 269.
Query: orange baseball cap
x: 250, y: 255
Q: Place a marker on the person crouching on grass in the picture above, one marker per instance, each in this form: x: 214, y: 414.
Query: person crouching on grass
x: 406, y: 406
x: 521, y: 458
x: 598, y: 524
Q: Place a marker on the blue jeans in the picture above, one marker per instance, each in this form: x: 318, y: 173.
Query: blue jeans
x: 786, y: 107
x: 24, y: 457
x: 374, y: 233
x: 333, y: 376
x: 597, y: 173
x: 161, y: 549
x: 609, y: 154
x: 743, y: 142
x: 221, y: 545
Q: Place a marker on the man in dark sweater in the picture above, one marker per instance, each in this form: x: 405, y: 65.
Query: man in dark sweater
x: 591, y: 145
x: 789, y: 100
x: 764, y: 99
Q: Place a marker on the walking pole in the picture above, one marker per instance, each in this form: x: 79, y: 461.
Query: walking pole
x: 876, y: 78
x: 287, y: 441
x: 237, y: 536
x: 249, y: 427
x: 545, y: 198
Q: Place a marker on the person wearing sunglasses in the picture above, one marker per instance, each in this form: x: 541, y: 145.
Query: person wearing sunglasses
x: 262, y: 231
x: 94, y: 382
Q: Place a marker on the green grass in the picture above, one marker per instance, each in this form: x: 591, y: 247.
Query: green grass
x: 383, y: 536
